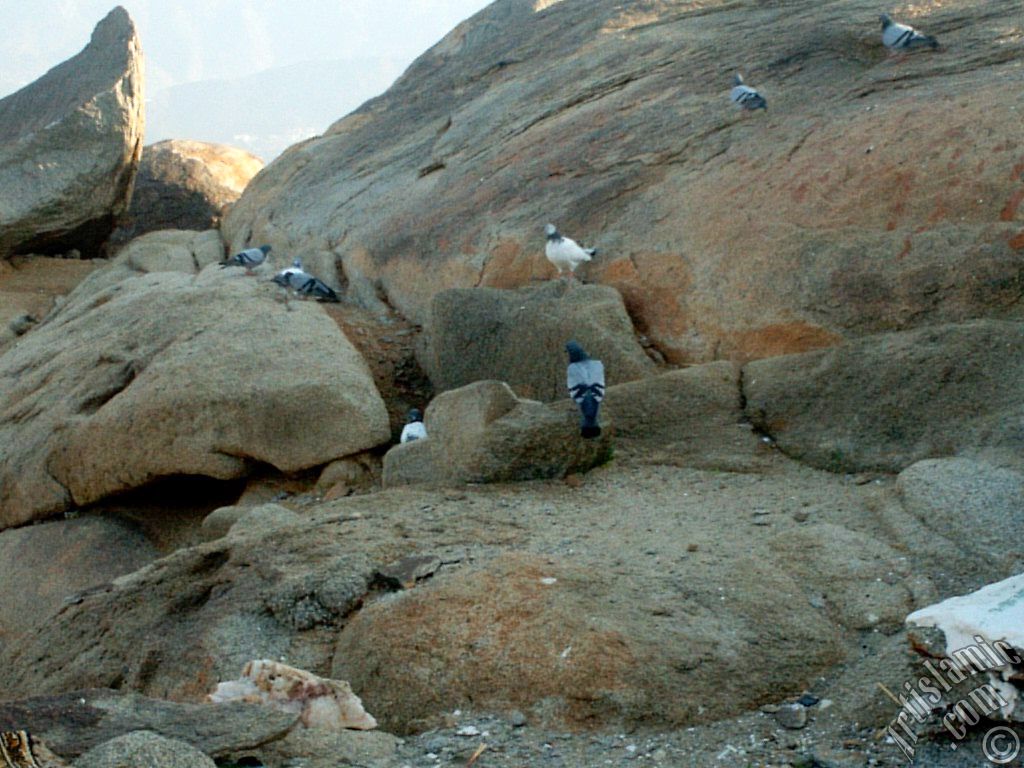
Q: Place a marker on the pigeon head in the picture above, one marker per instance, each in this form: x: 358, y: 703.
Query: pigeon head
x: 886, y: 21
x: 413, y: 416
x: 552, y: 232
x: 576, y: 353
x: 737, y: 79
x: 297, y: 262
x: 266, y: 249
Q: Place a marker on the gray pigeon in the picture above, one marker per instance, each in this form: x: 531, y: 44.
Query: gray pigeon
x: 746, y: 97
x: 249, y: 258
x: 296, y: 279
x: 902, y: 37
x: 585, y: 379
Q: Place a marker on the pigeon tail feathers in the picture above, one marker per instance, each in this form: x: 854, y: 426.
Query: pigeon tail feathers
x: 588, y: 408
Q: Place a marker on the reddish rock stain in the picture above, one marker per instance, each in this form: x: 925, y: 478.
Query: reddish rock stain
x: 1009, y: 212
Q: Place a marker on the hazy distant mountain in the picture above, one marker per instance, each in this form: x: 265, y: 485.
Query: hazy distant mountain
x: 267, y: 112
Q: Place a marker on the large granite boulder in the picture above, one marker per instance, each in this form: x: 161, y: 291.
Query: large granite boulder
x: 70, y: 144
x: 519, y: 337
x: 185, y: 185
x: 483, y: 433
x: 869, y: 198
x: 690, y: 417
x: 889, y: 400
x: 555, y: 638
x: 145, y: 376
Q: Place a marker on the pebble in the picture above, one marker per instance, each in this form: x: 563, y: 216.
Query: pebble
x: 517, y: 719
x: 792, y: 716
x: 436, y: 744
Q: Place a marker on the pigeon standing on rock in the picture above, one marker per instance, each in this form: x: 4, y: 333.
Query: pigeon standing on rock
x: 564, y: 252
x: 585, y: 379
x: 903, y: 38
x: 296, y: 279
x: 746, y: 97
x: 414, y: 428
x: 249, y: 258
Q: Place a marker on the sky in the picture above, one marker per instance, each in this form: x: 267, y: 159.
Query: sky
x: 204, y: 57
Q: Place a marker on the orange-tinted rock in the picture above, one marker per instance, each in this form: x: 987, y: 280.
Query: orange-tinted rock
x: 876, y: 197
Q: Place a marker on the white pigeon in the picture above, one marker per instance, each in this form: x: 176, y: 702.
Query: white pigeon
x: 249, y: 258
x: 564, y: 252
x: 746, y: 97
x: 414, y: 428
x: 902, y: 37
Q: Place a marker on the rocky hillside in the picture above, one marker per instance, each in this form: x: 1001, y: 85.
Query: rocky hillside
x: 874, y: 195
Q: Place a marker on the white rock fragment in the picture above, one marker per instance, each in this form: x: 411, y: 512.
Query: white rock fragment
x: 321, y: 703
x: 981, y: 629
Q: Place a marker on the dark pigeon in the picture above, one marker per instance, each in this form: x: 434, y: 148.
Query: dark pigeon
x: 585, y: 379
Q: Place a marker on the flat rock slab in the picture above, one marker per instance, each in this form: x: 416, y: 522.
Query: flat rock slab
x: 889, y: 400
x: 76, y: 722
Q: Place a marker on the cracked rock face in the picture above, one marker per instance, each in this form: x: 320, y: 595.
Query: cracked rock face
x: 875, y: 197
x: 143, y: 376
x: 70, y: 145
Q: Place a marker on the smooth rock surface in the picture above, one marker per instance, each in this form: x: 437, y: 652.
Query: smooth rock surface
x: 976, y: 505
x: 45, y: 565
x: 70, y: 145
x: 889, y: 400
x: 144, y: 749
x: 173, y: 250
